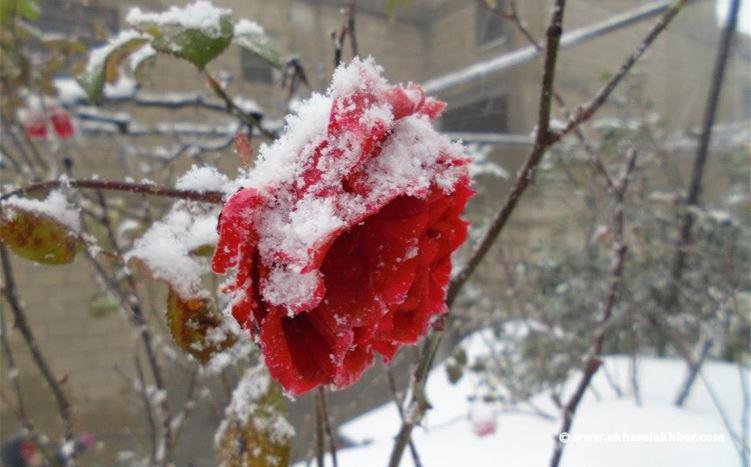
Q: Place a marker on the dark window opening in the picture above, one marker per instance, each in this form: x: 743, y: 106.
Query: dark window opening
x: 254, y: 68
x: 488, y: 115
x: 93, y: 24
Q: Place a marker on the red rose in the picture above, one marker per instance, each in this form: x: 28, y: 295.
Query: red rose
x: 62, y: 123
x: 341, y: 240
x: 36, y: 128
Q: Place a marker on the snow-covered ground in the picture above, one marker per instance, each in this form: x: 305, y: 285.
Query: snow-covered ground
x: 523, y: 439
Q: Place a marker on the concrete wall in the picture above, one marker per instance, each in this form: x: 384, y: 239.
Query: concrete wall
x: 428, y: 39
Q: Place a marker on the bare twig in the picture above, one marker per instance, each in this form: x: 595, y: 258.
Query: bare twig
x: 247, y: 118
x: 745, y: 414
x: 351, y: 28
x: 6, y: 155
x: 292, y: 74
x: 321, y: 401
x: 693, y: 371
x: 20, y: 402
x: 132, y: 301
x: 188, y: 407
x: 320, y: 442
x: 680, y: 344
x: 21, y: 323
x: 10, y: 131
x: 526, y: 173
x: 513, y: 16
x: 702, y: 150
x: 418, y: 404
x: 347, y: 30
x: 544, y: 139
x: 740, y: 445
x: 593, y: 362
x: 23, y: 416
x: 586, y: 111
x: 400, y: 408
x: 147, y: 408
x: 214, y: 197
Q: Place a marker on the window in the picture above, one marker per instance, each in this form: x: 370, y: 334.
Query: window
x: 91, y: 23
x: 254, y: 68
x: 489, y: 115
x: 488, y: 27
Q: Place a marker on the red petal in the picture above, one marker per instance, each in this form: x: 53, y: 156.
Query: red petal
x: 235, y: 228
x: 296, y: 354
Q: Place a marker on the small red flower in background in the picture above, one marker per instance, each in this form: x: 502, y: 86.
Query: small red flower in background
x: 341, y: 240
x: 36, y: 128
x: 62, y: 123
x: 36, y: 124
x: 483, y: 420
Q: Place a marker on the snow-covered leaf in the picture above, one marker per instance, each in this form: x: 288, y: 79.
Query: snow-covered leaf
x: 104, y: 62
x: 198, y: 32
x: 38, y: 231
x: 196, y: 326
x: 250, y: 36
x: 168, y: 250
x: 254, y: 432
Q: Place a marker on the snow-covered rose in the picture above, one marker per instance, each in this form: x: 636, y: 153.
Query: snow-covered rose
x: 341, y: 237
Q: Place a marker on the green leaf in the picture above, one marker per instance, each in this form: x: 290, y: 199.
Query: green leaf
x: 103, y: 305
x: 204, y: 250
x: 38, y: 237
x: 104, y: 62
x: 26, y: 9
x: 197, y: 46
x: 455, y: 365
x: 254, y: 432
x: 194, y: 325
x: 257, y: 42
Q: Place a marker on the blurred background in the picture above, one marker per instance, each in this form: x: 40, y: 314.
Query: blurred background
x: 538, y: 289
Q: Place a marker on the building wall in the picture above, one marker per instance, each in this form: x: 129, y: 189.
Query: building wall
x: 428, y: 39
